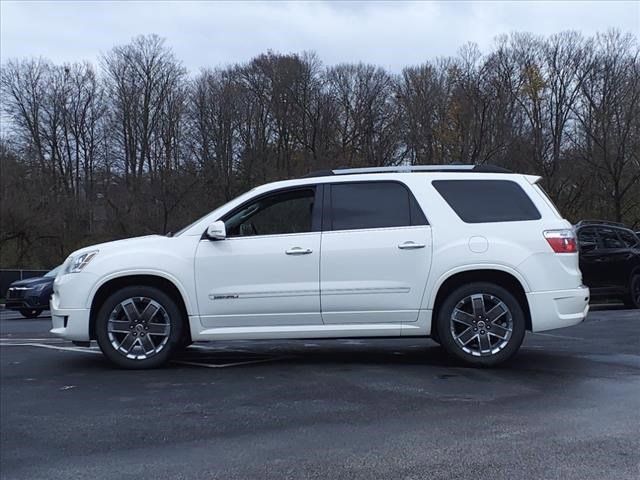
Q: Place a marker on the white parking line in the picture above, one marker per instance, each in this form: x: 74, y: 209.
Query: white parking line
x: 52, y: 347
x: 16, y: 343
x: 23, y: 339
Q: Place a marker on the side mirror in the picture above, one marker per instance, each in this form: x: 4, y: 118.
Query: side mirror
x: 217, y: 231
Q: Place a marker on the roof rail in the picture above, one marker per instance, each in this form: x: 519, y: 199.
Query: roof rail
x: 581, y: 223
x: 411, y: 168
x: 318, y: 173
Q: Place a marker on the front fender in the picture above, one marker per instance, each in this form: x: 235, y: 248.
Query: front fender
x: 188, y: 299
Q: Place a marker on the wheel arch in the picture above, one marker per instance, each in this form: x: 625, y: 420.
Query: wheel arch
x: 635, y: 272
x: 112, y: 284
x: 500, y: 277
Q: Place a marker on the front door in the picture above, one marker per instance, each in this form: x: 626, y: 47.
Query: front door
x: 376, y: 253
x: 266, y: 272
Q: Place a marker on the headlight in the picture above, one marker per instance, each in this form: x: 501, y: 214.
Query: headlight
x: 39, y: 288
x: 76, y: 264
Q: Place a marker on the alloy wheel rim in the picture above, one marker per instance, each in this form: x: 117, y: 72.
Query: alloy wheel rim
x: 139, y: 328
x: 481, y: 325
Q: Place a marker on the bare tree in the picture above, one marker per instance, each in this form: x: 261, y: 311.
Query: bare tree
x: 609, y: 116
x: 138, y: 146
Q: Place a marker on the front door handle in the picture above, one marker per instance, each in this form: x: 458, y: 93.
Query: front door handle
x: 298, y: 251
x: 411, y: 245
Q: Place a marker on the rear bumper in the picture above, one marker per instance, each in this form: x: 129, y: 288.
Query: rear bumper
x: 70, y: 323
x: 558, y: 308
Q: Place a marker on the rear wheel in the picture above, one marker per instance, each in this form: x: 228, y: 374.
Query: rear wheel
x: 633, y: 299
x: 481, y: 323
x: 139, y: 327
x: 31, y: 312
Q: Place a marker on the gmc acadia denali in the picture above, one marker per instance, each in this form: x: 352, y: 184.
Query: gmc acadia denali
x: 471, y: 256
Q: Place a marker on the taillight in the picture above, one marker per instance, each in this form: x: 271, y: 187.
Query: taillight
x: 562, y: 241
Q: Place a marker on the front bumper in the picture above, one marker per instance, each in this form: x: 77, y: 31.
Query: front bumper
x: 69, y: 323
x: 28, y: 303
x: 558, y: 308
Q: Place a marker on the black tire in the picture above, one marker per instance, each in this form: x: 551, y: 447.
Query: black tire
x: 491, y: 293
x: 435, y: 336
x: 633, y: 299
x: 174, y: 318
x: 30, y: 312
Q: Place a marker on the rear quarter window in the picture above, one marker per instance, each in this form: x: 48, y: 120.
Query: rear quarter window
x: 484, y: 201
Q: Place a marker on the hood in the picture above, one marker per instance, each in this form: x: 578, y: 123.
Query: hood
x: 32, y: 282
x: 106, y: 246
x: 129, y: 246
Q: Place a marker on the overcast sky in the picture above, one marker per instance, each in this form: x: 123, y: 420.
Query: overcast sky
x: 390, y: 34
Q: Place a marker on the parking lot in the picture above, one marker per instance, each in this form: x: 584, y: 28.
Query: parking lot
x: 568, y: 406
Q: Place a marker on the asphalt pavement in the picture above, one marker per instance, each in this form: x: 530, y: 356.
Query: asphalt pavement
x: 567, y: 407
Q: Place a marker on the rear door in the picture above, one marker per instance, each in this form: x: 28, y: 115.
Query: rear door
x: 376, y: 253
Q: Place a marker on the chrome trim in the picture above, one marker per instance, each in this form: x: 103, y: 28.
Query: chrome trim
x: 298, y: 251
x: 364, y: 291
x: 275, y: 294
x: 411, y: 245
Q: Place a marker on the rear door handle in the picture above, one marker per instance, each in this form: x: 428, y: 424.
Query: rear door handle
x: 411, y: 245
x: 298, y: 251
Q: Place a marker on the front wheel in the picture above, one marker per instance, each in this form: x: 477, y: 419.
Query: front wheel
x: 139, y: 327
x: 481, y: 323
x: 31, y: 312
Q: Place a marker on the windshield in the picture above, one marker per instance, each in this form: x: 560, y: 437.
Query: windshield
x: 53, y: 272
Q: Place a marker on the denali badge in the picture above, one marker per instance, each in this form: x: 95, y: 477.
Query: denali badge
x: 222, y: 297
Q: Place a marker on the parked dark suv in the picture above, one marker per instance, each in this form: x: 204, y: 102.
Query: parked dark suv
x: 610, y: 260
x: 31, y: 295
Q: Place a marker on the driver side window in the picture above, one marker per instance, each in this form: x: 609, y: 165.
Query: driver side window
x: 277, y: 214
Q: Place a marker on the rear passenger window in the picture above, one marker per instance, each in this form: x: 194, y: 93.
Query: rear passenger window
x: 373, y: 205
x: 481, y: 201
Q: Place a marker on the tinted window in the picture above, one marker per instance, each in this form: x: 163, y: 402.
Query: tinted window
x: 628, y: 238
x: 588, y: 237
x: 609, y: 238
x: 287, y: 212
x: 480, y: 201
x: 417, y: 216
x: 373, y: 205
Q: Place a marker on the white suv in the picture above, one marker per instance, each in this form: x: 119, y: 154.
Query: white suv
x: 470, y: 256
